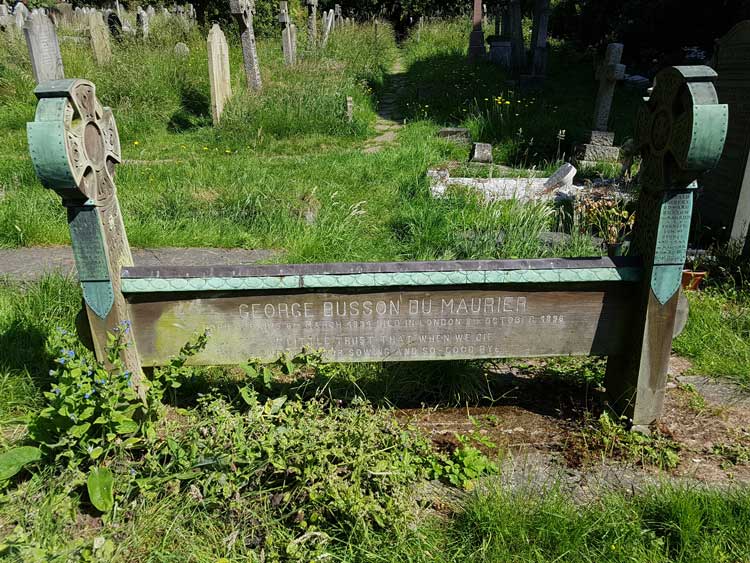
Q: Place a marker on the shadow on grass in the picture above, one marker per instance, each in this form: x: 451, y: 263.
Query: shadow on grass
x: 527, y: 127
x: 195, y: 111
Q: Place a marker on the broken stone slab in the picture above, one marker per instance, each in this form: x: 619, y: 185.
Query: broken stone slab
x: 481, y: 152
x: 455, y: 134
x: 558, y: 187
x: 589, y: 154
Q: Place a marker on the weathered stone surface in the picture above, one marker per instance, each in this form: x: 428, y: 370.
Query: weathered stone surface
x: 597, y: 153
x: 456, y: 134
x: 44, y: 49
x: 243, y: 11
x: 602, y: 138
x: 142, y: 22
x: 349, y: 109
x: 312, y: 23
x: 181, y: 51
x: 562, y: 177
x: 328, y: 19
x: 288, y: 35
x: 501, y: 53
x: 609, y: 73
x: 476, y: 39
x: 99, y: 39
x: 481, y: 152
x: 218, y: 72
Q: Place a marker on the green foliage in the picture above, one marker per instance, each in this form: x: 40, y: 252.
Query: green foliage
x: 615, y: 440
x: 463, y: 466
x: 90, y: 409
x: 100, y: 488
x: 15, y: 459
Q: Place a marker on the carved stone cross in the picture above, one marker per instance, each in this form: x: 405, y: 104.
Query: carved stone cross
x: 243, y: 11
x: 608, y: 74
x: 476, y: 39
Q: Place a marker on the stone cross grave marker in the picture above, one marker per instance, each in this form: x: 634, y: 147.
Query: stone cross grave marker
x: 114, y: 24
x: 243, y: 11
x: 218, y: 72
x: 288, y: 34
x: 100, y: 45
x: 476, y: 39
x: 600, y: 146
x: 623, y: 308
x: 312, y: 23
x: 724, y: 204
x: 44, y: 49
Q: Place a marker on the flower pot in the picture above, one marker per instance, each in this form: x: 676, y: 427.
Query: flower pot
x: 691, y: 280
x: 615, y: 249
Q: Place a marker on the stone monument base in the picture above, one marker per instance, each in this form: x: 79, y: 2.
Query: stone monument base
x: 476, y: 46
x: 600, y: 148
x: 501, y: 53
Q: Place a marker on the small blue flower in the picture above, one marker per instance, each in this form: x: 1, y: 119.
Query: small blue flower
x: 71, y: 353
x: 56, y: 391
x: 132, y: 471
x: 87, y: 396
x: 126, y: 375
x: 61, y: 361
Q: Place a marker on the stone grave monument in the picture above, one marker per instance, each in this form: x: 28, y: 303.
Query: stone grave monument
x: 243, y: 11
x: 218, y: 72
x: 723, y: 206
x: 288, y: 34
x: 100, y: 45
x: 624, y: 308
x: 142, y: 22
x: 476, y: 39
x: 600, y: 145
x: 312, y: 23
x: 181, y: 50
x: 44, y: 49
x: 328, y: 27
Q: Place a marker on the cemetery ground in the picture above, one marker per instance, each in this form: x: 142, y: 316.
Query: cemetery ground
x: 512, y: 460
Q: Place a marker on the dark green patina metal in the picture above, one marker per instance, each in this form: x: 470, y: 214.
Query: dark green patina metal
x: 681, y: 130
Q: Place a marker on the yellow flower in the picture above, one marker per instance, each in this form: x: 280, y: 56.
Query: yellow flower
x: 136, y: 143
x: 205, y: 148
x: 507, y: 103
x: 227, y: 151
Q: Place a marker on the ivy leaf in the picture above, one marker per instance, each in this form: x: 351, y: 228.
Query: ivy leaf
x: 99, y: 485
x: 12, y: 461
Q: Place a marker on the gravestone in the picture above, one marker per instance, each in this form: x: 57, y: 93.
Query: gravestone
x: 481, y: 152
x: 218, y: 72
x: 150, y: 11
x: 243, y: 11
x: 328, y: 27
x: 539, y: 45
x: 20, y: 13
x: 723, y: 207
x: 312, y: 23
x: 142, y: 23
x: 44, y: 49
x: 100, y: 46
x: 114, y: 24
x: 339, y: 18
x: 600, y: 145
x: 476, y: 38
x: 623, y: 308
x: 181, y: 51
x: 288, y: 34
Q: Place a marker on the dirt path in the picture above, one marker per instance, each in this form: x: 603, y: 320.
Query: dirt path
x: 389, y: 116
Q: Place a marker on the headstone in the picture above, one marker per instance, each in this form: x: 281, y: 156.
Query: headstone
x: 141, y: 20
x: 114, y: 24
x: 99, y: 39
x: 243, y: 11
x: 349, y: 109
x: 455, y: 134
x: 539, y: 45
x: 218, y: 72
x: 328, y: 27
x: 724, y: 203
x: 44, y: 49
x: 288, y: 34
x: 66, y: 12
x: 501, y: 52
x: 339, y: 21
x: 481, y: 152
x: 600, y: 146
x: 20, y: 13
x: 312, y: 23
x: 181, y: 51
x: 476, y: 39
x: 150, y: 11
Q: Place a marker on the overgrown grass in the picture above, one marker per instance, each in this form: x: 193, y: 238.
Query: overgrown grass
x: 717, y: 336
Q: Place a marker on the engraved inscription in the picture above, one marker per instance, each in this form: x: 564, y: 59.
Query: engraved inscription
x: 393, y: 326
x: 674, y: 229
